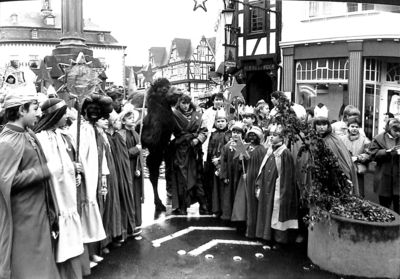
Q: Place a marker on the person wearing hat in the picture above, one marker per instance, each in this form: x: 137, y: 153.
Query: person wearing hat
x: 66, y: 181
x: 276, y: 191
x: 232, y: 168
x: 249, y: 117
x: 213, y: 185
x: 385, y: 150
x: 27, y: 203
x: 129, y: 117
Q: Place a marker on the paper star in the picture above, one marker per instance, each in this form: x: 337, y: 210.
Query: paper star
x: 43, y: 73
x: 202, y: 5
x: 148, y: 74
x: 236, y: 89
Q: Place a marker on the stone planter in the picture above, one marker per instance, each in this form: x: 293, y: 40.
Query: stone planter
x: 350, y: 247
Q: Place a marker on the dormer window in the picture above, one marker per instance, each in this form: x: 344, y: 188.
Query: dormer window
x: 101, y: 37
x: 14, y: 18
x: 34, y: 34
x: 49, y: 20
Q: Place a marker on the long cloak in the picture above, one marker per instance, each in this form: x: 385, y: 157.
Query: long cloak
x: 339, y: 149
x: 253, y: 166
x: 92, y: 224
x: 25, y: 243
x: 132, y: 139
x: 69, y: 242
x: 125, y: 183
x: 277, y: 202
x: 231, y: 169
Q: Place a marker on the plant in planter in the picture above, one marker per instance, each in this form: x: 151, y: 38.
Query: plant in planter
x: 347, y: 235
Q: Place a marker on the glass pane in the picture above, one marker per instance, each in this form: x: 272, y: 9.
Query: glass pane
x: 272, y: 43
x: 272, y: 21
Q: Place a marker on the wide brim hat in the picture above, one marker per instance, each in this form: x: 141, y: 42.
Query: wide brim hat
x: 124, y: 112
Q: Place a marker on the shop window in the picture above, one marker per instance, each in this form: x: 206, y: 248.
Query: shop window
x: 393, y: 72
x: 322, y: 69
x: 358, y: 7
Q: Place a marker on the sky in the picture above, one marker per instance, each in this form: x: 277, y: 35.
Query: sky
x: 141, y: 24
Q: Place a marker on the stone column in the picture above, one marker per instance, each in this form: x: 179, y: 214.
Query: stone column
x: 355, y: 73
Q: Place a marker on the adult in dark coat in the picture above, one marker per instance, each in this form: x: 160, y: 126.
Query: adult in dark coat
x: 384, y: 150
x: 187, y: 160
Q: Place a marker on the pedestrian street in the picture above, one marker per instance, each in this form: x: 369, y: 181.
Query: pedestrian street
x: 195, y: 246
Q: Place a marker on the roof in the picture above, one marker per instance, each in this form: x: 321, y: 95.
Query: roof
x: 212, y: 42
x: 183, y: 48
x: 159, y: 54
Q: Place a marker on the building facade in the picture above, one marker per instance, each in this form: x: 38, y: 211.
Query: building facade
x: 343, y: 53
x: 185, y: 65
x: 27, y: 38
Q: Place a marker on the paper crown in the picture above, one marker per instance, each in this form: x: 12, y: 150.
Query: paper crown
x: 220, y: 114
x: 248, y: 110
x: 321, y: 112
x: 276, y: 128
x: 237, y: 125
x: 257, y: 131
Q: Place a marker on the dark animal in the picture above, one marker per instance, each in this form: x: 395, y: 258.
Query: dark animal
x: 158, y: 125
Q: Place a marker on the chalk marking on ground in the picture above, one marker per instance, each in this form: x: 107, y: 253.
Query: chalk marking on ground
x: 162, y: 219
x: 201, y: 249
x: 158, y: 242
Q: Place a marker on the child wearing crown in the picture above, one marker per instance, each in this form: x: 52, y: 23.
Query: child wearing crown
x: 218, y: 138
x: 231, y: 172
x: 249, y: 117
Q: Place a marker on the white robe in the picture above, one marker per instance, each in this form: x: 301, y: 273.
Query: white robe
x: 70, y: 241
x: 92, y: 224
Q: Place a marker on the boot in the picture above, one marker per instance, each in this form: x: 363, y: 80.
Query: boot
x: 203, y: 209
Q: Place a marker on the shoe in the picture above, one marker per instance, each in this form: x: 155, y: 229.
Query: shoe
x: 136, y: 231
x: 92, y: 264
x: 96, y: 258
x: 116, y: 244
x: 169, y: 200
x: 106, y: 251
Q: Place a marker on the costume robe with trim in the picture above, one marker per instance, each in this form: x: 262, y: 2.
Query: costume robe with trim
x: 92, y: 224
x: 25, y: 242
x: 69, y: 242
x: 278, y: 198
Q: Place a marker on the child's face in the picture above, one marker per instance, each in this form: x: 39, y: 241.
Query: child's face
x: 252, y: 137
x: 129, y: 121
x: 218, y: 102
x: 184, y: 106
x: 236, y: 135
x: 354, y: 129
x: 276, y: 138
x: 321, y: 129
x: 248, y: 120
x: 265, y: 110
x: 102, y: 123
x: 117, y: 124
x: 220, y: 123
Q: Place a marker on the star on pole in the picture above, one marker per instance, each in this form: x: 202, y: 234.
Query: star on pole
x: 148, y: 74
x: 236, y: 89
x: 202, y: 5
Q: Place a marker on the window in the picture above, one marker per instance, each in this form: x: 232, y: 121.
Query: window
x: 322, y: 70
x: 49, y: 20
x: 256, y: 20
x: 393, y: 72
x: 34, y: 61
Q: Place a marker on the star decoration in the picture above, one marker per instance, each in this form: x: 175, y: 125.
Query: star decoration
x: 43, y: 74
x: 236, y: 89
x: 78, y: 78
x: 148, y: 74
x: 202, y: 5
